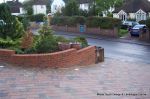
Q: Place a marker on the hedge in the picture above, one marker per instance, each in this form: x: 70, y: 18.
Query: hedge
x: 147, y: 22
x: 36, y: 18
x: 102, y: 22
x: 70, y: 21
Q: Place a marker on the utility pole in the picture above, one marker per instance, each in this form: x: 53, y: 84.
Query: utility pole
x: 4, y: 1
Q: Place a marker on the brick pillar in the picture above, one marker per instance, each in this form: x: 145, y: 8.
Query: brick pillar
x: 99, y: 54
x: 148, y: 35
x: 115, y: 32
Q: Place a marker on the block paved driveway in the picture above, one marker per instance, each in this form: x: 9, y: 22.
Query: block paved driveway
x: 113, y: 79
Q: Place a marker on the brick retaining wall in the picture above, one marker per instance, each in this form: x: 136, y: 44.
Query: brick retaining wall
x: 71, y: 57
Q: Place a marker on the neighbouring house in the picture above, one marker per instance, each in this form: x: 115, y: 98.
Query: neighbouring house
x: 39, y: 7
x: 15, y: 7
x: 133, y: 9
x: 84, y: 4
x: 56, y: 6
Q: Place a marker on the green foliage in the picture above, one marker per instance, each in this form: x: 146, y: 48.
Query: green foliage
x: 74, y: 20
x: 13, y: 28
x: 131, y: 19
x: 71, y: 8
x: 122, y: 32
x: 6, y: 43
x: 104, y: 5
x: 109, y: 23
x: 61, y: 39
x: 45, y: 31
x: 102, y: 22
x: 83, y: 13
x: 70, y: 21
x: 93, y: 21
x: 27, y: 5
x: 148, y: 23
x: 5, y: 15
x: 81, y: 40
x: 36, y: 18
x: 24, y: 20
x: 142, y: 22
x: 19, y: 29
x: 46, y: 45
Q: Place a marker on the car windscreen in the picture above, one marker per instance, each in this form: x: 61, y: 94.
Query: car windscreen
x: 138, y: 26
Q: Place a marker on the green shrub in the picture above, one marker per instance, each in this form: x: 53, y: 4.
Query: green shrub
x: 59, y: 20
x: 17, y: 50
x: 81, y: 40
x: 24, y: 20
x: 109, y: 23
x: 65, y: 20
x: 36, y: 18
x: 46, y: 45
x: 6, y: 43
x: 103, y: 22
x: 148, y: 23
x: 93, y: 21
x: 122, y: 32
x: 61, y: 39
x: 74, y: 20
x: 142, y: 22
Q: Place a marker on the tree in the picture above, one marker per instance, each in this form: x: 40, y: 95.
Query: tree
x: 18, y: 29
x: 27, y: 5
x: 48, y: 6
x: 12, y: 28
x: 71, y: 8
x: 104, y: 5
x: 6, y: 16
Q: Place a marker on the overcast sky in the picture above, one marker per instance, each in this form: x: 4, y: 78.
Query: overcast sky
x: 10, y: 0
x: 19, y: 0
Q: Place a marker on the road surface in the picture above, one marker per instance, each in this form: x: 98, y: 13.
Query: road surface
x: 119, y: 50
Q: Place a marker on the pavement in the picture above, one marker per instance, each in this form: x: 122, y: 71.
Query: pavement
x: 112, y: 79
x: 132, y: 40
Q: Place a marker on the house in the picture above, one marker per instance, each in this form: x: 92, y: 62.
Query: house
x: 84, y: 4
x: 39, y: 7
x: 133, y: 9
x: 57, y: 5
x: 15, y: 7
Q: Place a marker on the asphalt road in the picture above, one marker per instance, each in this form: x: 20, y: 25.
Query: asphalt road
x: 119, y: 50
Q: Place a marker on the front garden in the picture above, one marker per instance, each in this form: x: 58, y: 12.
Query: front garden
x: 15, y: 34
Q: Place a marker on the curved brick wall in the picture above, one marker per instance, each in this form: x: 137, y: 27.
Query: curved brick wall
x: 71, y: 57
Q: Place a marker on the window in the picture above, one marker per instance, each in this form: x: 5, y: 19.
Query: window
x: 122, y: 15
x: 140, y: 15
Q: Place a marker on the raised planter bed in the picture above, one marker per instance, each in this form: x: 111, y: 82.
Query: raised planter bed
x: 66, y: 58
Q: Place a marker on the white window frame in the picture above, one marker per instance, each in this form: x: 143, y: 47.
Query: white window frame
x: 140, y: 15
x: 122, y: 15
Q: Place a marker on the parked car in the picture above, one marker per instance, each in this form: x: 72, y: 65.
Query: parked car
x: 127, y: 24
x: 137, y: 29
